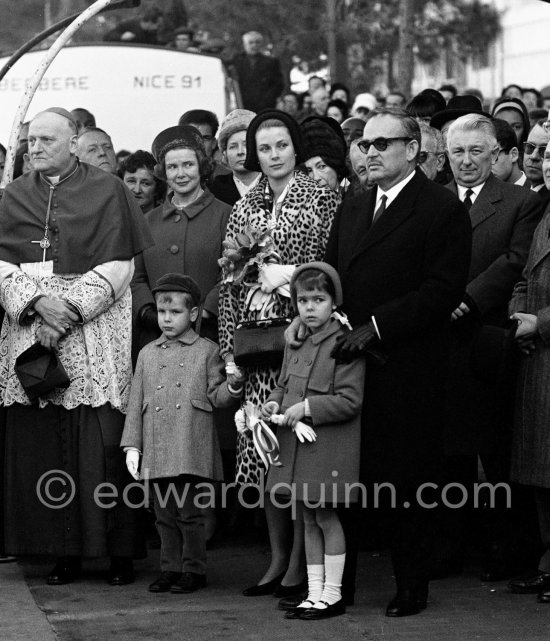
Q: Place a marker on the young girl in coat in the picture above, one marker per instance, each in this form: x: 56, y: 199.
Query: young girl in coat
x: 320, y: 399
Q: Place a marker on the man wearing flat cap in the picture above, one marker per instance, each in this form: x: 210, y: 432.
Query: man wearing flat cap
x: 68, y: 236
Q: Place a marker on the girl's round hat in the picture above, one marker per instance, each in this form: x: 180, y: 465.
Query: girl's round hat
x: 329, y: 271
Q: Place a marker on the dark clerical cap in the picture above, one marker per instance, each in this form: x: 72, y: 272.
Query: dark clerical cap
x: 39, y: 371
x: 61, y: 112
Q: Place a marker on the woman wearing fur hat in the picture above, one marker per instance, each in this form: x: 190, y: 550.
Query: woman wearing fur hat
x: 297, y: 214
x: 232, y: 143
x: 324, y: 151
x: 188, y: 229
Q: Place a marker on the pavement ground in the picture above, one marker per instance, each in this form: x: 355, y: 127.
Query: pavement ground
x: 460, y: 608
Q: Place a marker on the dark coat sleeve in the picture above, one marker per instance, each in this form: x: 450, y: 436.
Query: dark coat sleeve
x: 491, y: 288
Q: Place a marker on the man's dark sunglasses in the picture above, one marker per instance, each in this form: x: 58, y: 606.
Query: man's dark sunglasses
x: 529, y: 148
x: 380, y: 144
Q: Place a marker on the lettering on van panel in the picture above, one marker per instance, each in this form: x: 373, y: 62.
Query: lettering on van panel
x: 55, y: 83
x: 159, y: 81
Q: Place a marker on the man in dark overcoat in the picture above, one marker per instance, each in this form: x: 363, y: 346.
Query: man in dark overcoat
x: 260, y: 78
x: 402, y: 251
x: 479, y: 409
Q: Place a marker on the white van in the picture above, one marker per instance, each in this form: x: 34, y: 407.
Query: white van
x: 134, y: 91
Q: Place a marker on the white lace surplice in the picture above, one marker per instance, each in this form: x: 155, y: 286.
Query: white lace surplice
x: 96, y: 354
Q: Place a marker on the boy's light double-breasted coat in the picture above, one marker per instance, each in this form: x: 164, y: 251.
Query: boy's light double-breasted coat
x: 175, y: 386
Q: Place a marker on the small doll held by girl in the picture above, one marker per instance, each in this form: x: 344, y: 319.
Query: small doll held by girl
x: 326, y: 395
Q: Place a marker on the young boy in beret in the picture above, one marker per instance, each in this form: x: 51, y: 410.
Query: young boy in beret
x: 179, y: 378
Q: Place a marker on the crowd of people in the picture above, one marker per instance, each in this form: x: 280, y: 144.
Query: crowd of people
x: 401, y: 246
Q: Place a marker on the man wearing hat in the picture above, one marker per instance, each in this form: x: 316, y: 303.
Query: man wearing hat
x: 456, y: 107
x: 68, y: 236
x: 232, y: 143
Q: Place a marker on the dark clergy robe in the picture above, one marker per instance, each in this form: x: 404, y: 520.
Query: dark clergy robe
x: 71, y: 436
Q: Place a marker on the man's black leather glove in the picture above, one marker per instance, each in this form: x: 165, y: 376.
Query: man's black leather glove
x: 355, y: 344
x: 149, y: 318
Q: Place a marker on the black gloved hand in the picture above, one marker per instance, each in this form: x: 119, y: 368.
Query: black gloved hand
x: 149, y: 319
x: 354, y: 344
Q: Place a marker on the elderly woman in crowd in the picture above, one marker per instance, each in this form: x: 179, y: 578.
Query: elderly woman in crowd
x: 188, y: 229
x: 324, y: 151
x: 297, y: 214
x: 138, y: 173
x: 232, y: 143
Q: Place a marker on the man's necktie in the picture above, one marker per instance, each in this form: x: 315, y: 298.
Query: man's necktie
x: 381, y: 209
x: 468, y: 199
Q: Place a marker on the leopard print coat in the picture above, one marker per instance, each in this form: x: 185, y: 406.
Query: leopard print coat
x: 300, y: 236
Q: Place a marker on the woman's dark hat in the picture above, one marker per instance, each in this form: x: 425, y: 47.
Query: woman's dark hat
x: 251, y: 162
x: 323, y: 136
x: 174, y: 137
x: 328, y: 270
x: 39, y: 371
x: 456, y: 107
x: 174, y: 282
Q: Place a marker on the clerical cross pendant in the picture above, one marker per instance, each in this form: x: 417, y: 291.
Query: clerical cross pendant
x: 44, y: 245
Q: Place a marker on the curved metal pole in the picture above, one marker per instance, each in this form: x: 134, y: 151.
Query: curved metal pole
x: 116, y: 4
x: 33, y: 83
x: 34, y: 41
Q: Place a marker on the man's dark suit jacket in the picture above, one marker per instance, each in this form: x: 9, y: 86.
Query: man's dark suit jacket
x: 504, y: 218
x: 261, y: 82
x: 409, y: 271
x: 544, y: 195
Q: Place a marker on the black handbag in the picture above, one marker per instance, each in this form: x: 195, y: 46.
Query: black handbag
x: 260, y: 342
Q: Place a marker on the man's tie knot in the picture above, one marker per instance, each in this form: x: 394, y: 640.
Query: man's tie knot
x: 468, y: 199
x: 381, y: 208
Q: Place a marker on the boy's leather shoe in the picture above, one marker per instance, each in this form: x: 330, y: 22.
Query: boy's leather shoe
x: 66, y: 570
x: 530, y: 585
x: 189, y: 582
x: 165, y: 581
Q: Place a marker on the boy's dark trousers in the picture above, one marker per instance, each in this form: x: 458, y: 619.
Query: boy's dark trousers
x: 180, y: 524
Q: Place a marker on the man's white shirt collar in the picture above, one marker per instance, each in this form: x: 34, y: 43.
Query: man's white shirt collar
x: 462, y: 191
x: 392, y: 192
x: 521, y: 180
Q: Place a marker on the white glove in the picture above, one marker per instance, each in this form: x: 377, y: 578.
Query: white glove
x: 274, y: 276
x: 132, y: 463
x: 257, y: 300
x: 303, y: 432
